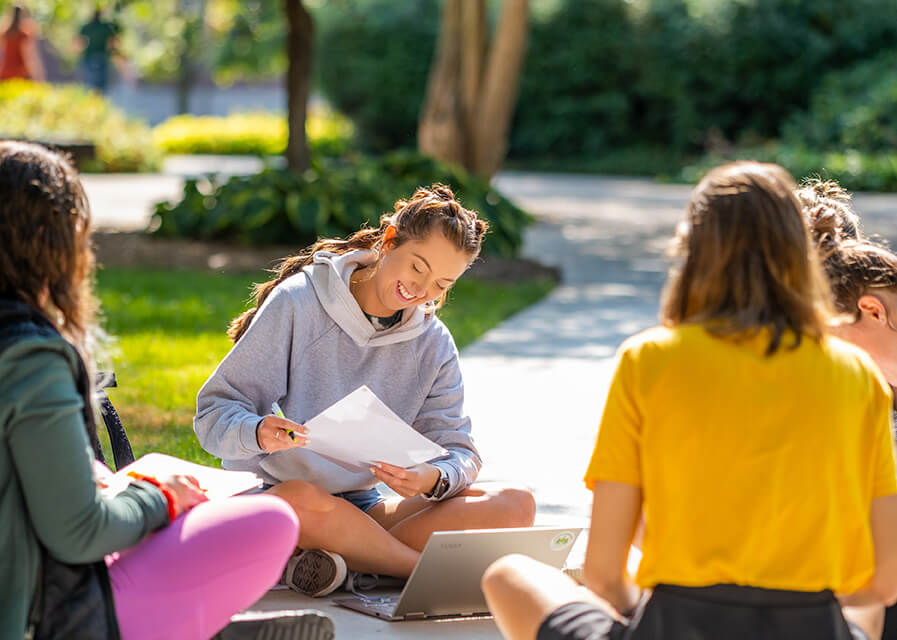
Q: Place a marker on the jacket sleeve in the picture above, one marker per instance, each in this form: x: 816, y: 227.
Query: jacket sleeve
x: 442, y: 419
x: 239, y: 393
x: 50, y: 451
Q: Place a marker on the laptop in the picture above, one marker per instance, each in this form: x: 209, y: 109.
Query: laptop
x: 446, y: 581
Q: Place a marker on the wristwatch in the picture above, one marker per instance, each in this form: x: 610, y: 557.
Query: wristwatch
x: 440, y: 488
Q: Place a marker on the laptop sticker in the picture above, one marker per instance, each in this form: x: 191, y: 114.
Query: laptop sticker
x: 562, y: 540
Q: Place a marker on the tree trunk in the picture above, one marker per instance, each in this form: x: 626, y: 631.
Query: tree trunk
x: 184, y: 80
x: 470, y: 99
x: 298, y: 80
x: 499, y: 92
x: 440, y: 133
x: 193, y: 37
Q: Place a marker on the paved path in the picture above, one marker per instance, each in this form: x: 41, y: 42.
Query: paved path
x: 535, y: 384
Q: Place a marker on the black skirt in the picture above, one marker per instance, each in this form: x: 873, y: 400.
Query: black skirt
x: 725, y: 612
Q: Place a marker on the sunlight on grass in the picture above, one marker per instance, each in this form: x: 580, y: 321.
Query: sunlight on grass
x: 169, y: 336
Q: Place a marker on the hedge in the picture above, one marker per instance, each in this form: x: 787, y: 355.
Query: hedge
x: 69, y: 113
x: 331, y: 199
x: 255, y: 133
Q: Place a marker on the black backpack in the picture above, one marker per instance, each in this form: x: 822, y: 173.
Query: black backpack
x: 71, y: 601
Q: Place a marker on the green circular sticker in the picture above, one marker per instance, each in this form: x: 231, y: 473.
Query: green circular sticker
x: 562, y: 540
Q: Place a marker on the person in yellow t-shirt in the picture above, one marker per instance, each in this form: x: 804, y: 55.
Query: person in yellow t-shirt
x: 755, y: 445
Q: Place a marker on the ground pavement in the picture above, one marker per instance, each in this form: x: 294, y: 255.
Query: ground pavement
x: 535, y: 385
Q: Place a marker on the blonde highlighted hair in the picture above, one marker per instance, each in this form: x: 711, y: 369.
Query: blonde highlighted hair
x: 747, y: 263
x: 432, y: 208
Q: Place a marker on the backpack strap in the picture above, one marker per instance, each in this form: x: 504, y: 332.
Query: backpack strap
x: 121, y: 446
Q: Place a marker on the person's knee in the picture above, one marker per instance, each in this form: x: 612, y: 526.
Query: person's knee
x: 519, y: 507
x: 501, y: 573
x: 304, y: 496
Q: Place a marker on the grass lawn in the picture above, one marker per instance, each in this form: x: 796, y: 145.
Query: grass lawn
x: 169, y: 328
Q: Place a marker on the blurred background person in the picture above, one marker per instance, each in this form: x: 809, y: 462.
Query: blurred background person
x: 98, y: 41
x: 18, y: 44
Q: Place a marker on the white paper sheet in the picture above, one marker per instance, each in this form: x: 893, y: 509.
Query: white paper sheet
x: 360, y: 430
x: 218, y: 483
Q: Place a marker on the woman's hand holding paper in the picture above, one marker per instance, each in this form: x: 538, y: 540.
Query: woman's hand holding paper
x: 420, y: 478
x: 274, y: 434
x: 186, y: 491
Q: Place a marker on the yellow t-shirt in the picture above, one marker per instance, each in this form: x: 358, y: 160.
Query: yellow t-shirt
x: 754, y: 470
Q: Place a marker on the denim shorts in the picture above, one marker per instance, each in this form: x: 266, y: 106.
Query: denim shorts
x: 364, y: 499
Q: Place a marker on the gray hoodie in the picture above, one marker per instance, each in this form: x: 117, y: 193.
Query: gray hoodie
x: 309, y: 345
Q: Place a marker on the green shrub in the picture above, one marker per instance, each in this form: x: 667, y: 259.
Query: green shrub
x: 330, y: 199
x: 257, y: 133
x: 561, y: 81
x: 852, y: 109
x: 372, y: 59
x: 603, y: 73
x: 67, y: 113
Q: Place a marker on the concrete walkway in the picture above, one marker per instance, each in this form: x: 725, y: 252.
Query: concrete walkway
x: 535, y: 385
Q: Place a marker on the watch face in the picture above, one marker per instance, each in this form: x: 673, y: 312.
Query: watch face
x: 442, y: 486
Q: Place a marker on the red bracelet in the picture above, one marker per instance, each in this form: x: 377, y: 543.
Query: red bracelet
x: 168, y: 493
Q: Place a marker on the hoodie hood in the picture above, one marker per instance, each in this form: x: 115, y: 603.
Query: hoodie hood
x: 329, y: 275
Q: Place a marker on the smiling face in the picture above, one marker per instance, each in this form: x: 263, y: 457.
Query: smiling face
x: 410, y: 274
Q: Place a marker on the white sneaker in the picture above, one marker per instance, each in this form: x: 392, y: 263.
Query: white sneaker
x: 315, y: 572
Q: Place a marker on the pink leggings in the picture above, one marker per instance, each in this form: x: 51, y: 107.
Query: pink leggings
x: 186, y: 580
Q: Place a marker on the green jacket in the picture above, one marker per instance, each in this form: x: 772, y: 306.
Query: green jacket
x: 47, y: 486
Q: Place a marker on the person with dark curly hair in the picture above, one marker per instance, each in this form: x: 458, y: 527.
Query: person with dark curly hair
x: 166, y: 563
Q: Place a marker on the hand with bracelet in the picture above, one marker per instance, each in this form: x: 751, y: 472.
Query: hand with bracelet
x: 182, y: 492
x: 420, y: 479
x: 186, y: 490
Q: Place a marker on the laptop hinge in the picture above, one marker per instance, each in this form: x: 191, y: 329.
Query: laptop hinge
x: 415, y: 616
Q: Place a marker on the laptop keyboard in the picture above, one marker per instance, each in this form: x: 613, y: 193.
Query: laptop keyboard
x: 384, y: 604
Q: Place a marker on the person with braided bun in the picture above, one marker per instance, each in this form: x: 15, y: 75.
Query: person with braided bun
x: 862, y: 274
x: 338, y: 315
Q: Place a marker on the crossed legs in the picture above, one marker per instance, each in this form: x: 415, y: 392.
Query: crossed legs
x: 388, y: 538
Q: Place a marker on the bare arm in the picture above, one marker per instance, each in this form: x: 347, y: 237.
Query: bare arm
x: 616, y: 510
x: 882, y: 587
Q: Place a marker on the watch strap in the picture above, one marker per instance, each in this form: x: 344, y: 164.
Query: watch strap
x: 440, y: 488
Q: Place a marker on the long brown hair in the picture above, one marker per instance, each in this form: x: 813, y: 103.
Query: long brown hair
x: 430, y: 208
x: 747, y: 260
x: 47, y: 258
